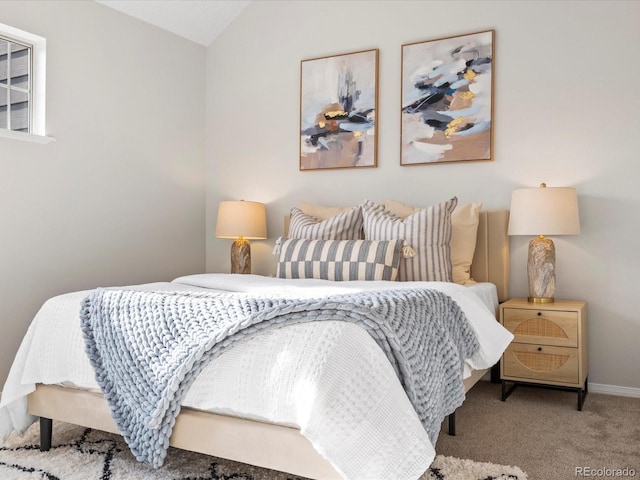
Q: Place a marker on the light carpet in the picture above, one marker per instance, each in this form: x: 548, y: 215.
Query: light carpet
x: 83, y: 454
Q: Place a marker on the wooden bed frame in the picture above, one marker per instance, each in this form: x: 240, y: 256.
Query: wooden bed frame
x: 256, y: 443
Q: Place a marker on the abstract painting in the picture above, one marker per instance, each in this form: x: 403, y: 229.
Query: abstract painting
x: 447, y: 97
x: 338, y: 97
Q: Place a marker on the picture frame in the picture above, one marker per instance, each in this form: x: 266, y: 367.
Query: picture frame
x: 338, y: 103
x: 447, y: 100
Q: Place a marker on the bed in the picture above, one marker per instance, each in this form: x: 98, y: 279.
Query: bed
x: 253, y: 440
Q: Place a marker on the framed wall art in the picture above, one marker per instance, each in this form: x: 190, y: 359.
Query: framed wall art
x: 447, y: 100
x: 338, y: 101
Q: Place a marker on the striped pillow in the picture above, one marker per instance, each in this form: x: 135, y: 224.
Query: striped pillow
x: 428, y: 231
x: 345, y: 226
x: 339, y: 259
x: 464, y: 231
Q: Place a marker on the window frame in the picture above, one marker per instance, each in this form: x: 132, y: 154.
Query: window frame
x: 11, y: 89
x: 37, y: 98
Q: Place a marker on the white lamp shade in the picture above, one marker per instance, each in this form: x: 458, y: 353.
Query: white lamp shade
x: 242, y: 219
x: 544, y: 211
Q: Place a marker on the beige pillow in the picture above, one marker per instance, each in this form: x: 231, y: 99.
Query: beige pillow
x: 320, y: 211
x: 399, y: 209
x: 464, y: 222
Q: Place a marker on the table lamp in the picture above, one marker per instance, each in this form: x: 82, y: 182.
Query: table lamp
x: 242, y: 221
x: 543, y: 211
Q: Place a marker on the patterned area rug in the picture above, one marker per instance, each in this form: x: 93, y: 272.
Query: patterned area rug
x: 84, y: 454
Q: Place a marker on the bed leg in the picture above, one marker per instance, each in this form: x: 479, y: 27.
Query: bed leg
x: 46, y: 431
x: 495, y: 373
x: 452, y: 424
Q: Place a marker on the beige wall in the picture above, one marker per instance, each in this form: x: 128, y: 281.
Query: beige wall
x: 119, y: 197
x: 566, y: 113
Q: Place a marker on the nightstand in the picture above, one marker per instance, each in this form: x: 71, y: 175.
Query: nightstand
x: 550, y: 346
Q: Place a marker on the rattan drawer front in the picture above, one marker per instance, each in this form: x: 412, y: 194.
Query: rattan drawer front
x: 542, y: 363
x: 546, y: 327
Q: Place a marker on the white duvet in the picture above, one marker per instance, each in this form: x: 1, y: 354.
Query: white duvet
x: 330, y: 379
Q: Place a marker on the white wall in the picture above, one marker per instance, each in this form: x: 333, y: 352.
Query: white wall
x: 566, y: 113
x: 119, y: 197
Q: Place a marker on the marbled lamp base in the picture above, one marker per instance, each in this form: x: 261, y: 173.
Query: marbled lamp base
x: 541, y: 268
x: 241, y: 256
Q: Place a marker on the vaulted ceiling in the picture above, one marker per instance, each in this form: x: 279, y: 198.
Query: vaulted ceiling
x: 200, y: 21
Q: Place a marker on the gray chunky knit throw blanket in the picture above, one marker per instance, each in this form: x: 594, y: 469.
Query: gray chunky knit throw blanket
x: 147, y: 347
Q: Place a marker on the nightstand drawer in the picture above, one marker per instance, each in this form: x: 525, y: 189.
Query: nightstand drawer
x: 547, y: 327
x: 543, y: 363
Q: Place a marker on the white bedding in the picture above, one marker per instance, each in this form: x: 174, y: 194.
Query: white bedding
x: 330, y: 379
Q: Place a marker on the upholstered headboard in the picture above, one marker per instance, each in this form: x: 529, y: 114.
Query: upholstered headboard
x: 491, y: 258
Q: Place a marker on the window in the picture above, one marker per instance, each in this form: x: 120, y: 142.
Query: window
x: 15, y: 85
x: 22, y: 85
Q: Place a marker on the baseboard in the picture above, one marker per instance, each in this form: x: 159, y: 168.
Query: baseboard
x: 603, y: 388
x: 614, y: 390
